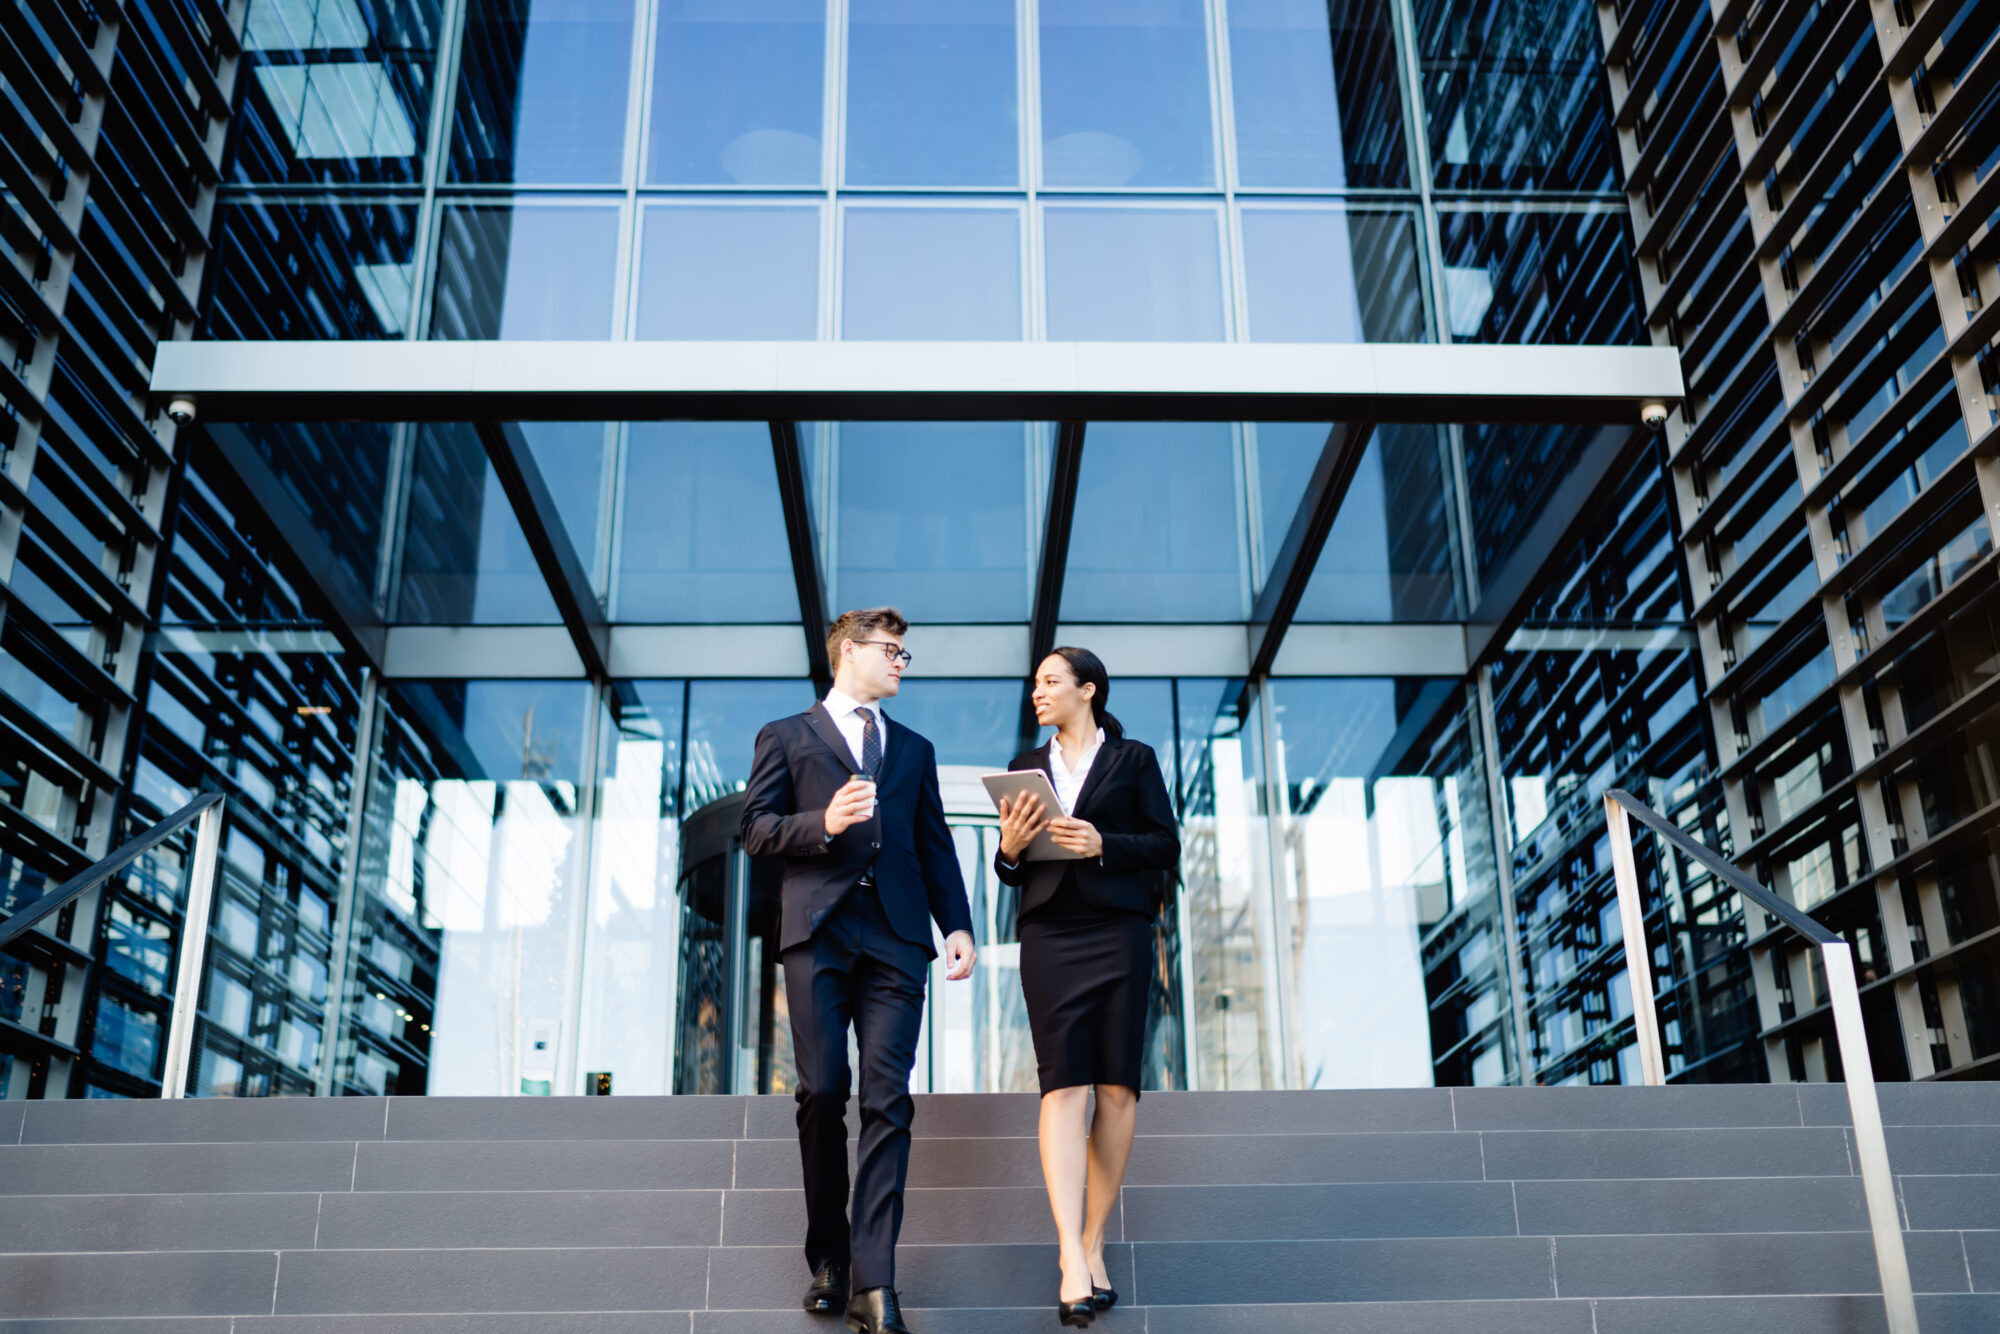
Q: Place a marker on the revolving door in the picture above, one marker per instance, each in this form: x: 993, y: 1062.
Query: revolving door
x: 731, y: 1030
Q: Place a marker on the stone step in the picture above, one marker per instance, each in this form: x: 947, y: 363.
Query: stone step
x: 966, y: 1116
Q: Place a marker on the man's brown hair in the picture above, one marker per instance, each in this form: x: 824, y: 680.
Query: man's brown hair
x: 863, y: 624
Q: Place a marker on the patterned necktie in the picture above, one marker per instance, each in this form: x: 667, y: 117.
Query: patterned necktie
x: 871, y: 744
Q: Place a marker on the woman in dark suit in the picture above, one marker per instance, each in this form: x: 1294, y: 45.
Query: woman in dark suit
x: 1087, y: 956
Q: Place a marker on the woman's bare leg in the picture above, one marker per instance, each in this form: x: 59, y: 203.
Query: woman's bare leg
x: 1064, y: 1134
x: 1110, y: 1147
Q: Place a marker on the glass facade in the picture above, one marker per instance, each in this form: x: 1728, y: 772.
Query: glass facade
x: 458, y: 860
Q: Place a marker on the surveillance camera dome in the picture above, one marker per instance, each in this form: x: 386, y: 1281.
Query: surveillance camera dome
x: 181, y: 410
x: 1653, y: 414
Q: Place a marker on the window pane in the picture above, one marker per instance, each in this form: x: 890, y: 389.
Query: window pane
x: 931, y: 93
x: 1157, y: 533
x: 704, y: 533
x: 730, y: 271
x: 542, y: 92
x: 465, y: 561
x: 736, y: 93
x: 1388, y: 557
x: 1328, y: 275
x: 971, y: 723
x: 526, y: 271
x: 1282, y: 456
x: 940, y: 519
x: 1512, y: 470
x: 570, y: 457
x: 949, y: 273
x: 338, y: 474
x: 1315, y: 91
x: 290, y: 269
x: 1142, y: 275
x: 1125, y: 94
x: 341, y: 91
x: 1540, y: 278
x: 1515, y: 95
x: 723, y: 720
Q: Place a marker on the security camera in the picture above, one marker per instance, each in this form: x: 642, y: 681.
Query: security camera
x: 181, y: 410
x: 1653, y: 414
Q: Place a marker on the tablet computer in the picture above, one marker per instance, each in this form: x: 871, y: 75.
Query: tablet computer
x: 1018, y: 783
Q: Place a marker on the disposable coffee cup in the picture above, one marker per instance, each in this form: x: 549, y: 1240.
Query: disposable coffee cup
x: 868, y: 784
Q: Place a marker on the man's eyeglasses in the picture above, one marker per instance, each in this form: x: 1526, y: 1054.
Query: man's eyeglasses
x: 893, y: 652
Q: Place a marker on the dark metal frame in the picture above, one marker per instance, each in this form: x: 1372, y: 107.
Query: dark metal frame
x: 1058, y: 522
x: 562, y: 570
x: 1312, y: 522
x: 805, y: 557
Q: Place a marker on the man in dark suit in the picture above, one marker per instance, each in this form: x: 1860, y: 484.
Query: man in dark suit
x: 850, y: 800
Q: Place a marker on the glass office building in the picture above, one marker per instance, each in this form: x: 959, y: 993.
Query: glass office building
x: 482, y: 691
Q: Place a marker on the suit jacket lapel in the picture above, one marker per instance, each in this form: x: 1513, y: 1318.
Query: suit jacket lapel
x: 823, y: 726
x: 890, y: 749
x: 1107, y: 757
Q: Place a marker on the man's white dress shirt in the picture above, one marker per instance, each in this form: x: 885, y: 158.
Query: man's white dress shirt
x: 847, y: 713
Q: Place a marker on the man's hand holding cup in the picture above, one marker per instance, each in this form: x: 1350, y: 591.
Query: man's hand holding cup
x: 853, y: 804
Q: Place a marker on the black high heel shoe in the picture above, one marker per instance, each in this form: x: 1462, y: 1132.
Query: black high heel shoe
x: 1077, y: 1314
x: 1103, y: 1298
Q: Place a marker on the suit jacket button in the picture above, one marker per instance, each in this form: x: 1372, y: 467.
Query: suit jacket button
x: 876, y: 847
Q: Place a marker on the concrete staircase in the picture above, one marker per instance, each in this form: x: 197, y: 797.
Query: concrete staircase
x: 1557, y: 1211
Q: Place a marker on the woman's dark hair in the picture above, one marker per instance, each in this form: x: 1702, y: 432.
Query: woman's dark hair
x: 1088, y: 669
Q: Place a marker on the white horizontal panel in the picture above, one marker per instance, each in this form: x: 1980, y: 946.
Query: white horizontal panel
x: 967, y: 650
x: 1163, y: 650
x: 643, y: 651
x: 1372, y: 650
x: 469, y: 652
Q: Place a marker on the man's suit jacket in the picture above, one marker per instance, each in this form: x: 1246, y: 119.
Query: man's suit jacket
x: 1125, y: 797
x: 800, y: 763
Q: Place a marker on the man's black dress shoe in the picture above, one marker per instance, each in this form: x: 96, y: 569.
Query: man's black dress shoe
x: 874, y: 1311
x: 828, y: 1293
x: 1106, y: 1298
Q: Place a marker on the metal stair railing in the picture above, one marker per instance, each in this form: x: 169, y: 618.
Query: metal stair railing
x: 208, y: 810
x: 1878, y: 1184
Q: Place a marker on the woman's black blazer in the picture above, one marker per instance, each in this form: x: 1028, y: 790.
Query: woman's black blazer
x: 1126, y: 799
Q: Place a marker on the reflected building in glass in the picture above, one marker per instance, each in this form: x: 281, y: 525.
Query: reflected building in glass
x: 465, y: 858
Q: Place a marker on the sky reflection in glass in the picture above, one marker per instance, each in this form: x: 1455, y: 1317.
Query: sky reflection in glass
x: 1156, y: 535
x: 465, y: 560
x: 937, y: 518
x: 1389, y: 556
x: 931, y: 93
x: 1125, y: 94
x: 526, y: 271
x: 922, y: 273
x: 736, y: 93
x: 969, y: 722
x: 1133, y: 274
x: 1314, y: 86
x: 1331, y: 275
x: 729, y: 271
x: 542, y: 92
x: 703, y: 533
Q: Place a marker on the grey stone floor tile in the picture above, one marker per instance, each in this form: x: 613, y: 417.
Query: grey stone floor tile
x: 688, y: 1117
x: 205, y: 1222
x: 171, y: 1169
x: 1903, y: 1104
x: 1213, y: 1160
x: 938, y: 1116
x: 1529, y: 1316
x: 1746, y: 1264
x: 1715, y: 1204
x: 1981, y: 1251
x: 990, y: 1216
x: 202, y: 1120
x: 1944, y: 1150
x: 567, y: 1322
x: 1317, y: 1112
x: 1675, y: 1107
x: 1745, y: 1315
x: 191, y: 1324
x: 1968, y: 1313
x: 1431, y: 1269
x: 1543, y: 1155
x: 659, y: 1164
x: 772, y: 1164
x: 425, y: 1220
x: 770, y: 1278
x: 506, y: 1281
x: 1317, y: 1212
x: 11, y: 1112
x: 1951, y: 1201
x: 959, y: 1320
x: 151, y: 1283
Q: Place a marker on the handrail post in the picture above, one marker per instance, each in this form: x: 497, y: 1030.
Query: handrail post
x: 1638, y: 956
x: 1871, y: 1147
x: 194, y: 949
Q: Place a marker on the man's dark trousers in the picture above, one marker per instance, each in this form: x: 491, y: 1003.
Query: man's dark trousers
x: 855, y: 968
